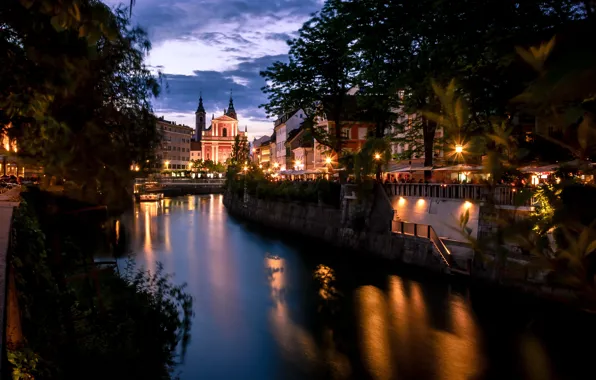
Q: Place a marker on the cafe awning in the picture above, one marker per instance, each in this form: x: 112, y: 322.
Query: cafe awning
x: 413, y: 168
x: 539, y: 169
x: 461, y: 168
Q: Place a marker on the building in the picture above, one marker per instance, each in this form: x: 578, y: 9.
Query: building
x: 200, y: 120
x: 174, y: 150
x: 404, y: 124
x: 301, y: 146
x: 265, y: 154
x: 282, y: 127
x: 260, y: 146
x: 273, y: 152
x: 8, y: 161
x: 216, y: 142
x: 195, y: 150
x: 354, y: 135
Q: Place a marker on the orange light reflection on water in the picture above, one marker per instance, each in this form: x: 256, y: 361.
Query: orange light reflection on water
x: 375, y: 348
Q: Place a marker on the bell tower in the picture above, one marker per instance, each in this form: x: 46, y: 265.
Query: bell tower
x: 231, y: 112
x: 200, y: 119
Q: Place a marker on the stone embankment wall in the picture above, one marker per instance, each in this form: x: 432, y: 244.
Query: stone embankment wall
x: 178, y: 190
x: 335, y: 227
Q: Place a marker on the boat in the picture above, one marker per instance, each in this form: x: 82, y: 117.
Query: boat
x: 150, y: 197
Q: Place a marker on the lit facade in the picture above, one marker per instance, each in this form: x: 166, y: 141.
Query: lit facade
x: 282, y: 128
x: 354, y: 135
x: 261, y: 152
x: 8, y: 161
x: 174, y: 150
x: 216, y: 141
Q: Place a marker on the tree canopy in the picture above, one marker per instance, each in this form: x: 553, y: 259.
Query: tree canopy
x: 76, y: 92
x: 385, y: 47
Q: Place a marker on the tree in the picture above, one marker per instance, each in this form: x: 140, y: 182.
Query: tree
x: 76, y: 93
x: 319, y: 73
x: 240, y: 152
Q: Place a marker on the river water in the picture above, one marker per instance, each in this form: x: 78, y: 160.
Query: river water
x: 269, y: 306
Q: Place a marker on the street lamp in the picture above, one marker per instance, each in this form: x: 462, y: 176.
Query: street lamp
x: 459, y: 149
x: 377, y: 156
x: 275, y: 165
x: 328, y: 160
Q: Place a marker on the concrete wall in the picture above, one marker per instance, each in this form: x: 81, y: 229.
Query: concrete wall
x: 442, y: 214
x: 328, y: 224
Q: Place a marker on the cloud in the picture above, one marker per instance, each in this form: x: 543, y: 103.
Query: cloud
x: 217, y: 45
x: 280, y: 36
x: 182, y: 93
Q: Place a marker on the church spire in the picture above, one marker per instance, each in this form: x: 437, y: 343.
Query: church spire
x: 231, y: 112
x: 201, y: 108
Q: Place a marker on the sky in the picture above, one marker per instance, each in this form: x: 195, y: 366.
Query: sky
x: 214, y: 46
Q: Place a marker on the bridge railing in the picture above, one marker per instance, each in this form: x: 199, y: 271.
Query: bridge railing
x: 424, y: 231
x: 502, y: 195
x: 194, y: 181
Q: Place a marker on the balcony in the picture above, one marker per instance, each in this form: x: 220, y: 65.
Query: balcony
x: 501, y: 195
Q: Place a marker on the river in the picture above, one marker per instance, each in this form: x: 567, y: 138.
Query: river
x: 269, y: 306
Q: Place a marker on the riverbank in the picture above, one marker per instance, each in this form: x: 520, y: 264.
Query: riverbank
x: 81, y: 318
x: 325, y: 224
x: 279, y: 305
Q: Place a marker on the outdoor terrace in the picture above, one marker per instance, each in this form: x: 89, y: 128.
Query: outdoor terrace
x: 501, y: 195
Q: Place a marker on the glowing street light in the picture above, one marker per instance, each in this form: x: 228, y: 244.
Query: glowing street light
x: 298, y: 162
x: 260, y: 166
x: 459, y: 149
x: 245, y: 169
x: 328, y: 160
x: 377, y: 156
x: 275, y: 165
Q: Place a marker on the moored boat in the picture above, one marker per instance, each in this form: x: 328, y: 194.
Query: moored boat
x: 151, y: 197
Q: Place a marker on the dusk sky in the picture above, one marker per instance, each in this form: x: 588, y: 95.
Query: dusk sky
x: 217, y: 45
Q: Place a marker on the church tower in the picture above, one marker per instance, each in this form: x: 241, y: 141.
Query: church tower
x: 200, y: 120
x: 231, y: 112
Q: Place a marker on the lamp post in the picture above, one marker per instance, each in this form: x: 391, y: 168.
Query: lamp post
x: 245, y: 198
x: 377, y: 157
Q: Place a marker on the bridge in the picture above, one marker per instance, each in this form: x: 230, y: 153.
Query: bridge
x: 172, y: 187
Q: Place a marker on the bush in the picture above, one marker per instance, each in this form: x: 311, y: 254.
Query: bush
x: 310, y: 192
x: 126, y: 326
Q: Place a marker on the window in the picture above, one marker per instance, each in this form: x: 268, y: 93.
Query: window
x: 362, y: 132
x: 224, y: 132
x: 301, y: 116
x: 345, y: 133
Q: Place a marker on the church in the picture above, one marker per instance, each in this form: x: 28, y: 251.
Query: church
x: 215, y: 143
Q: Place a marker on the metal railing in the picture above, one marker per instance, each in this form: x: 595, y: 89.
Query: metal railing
x: 502, y: 195
x: 424, y: 231
x: 181, y: 181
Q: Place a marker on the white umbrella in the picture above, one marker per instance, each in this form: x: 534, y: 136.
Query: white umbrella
x: 461, y: 168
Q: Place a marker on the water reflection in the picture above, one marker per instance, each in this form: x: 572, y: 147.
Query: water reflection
x: 267, y: 308
x: 296, y: 344
x: 373, y: 332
